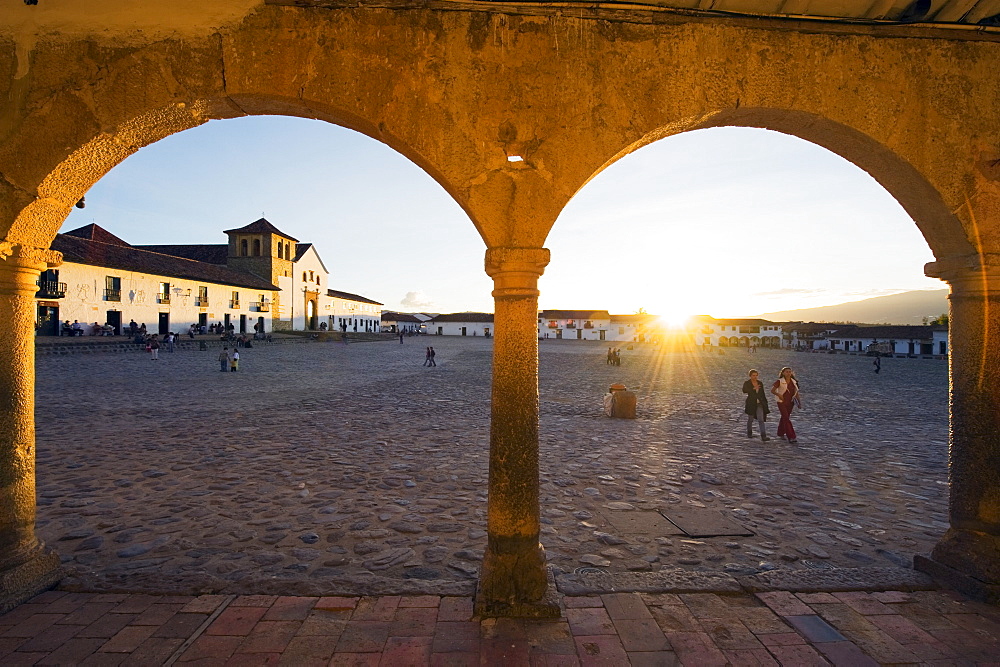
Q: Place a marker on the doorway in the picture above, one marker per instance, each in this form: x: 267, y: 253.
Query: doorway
x: 243, y: 324
x: 114, y: 318
x: 225, y: 321
x: 202, y: 320
x: 164, y: 324
x: 260, y: 324
x: 47, y: 323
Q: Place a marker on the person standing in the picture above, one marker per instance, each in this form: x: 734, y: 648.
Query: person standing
x: 154, y: 348
x: 433, y: 354
x: 786, y: 388
x: 756, y: 405
x: 234, y: 360
x: 877, y: 363
x: 224, y: 359
x: 611, y: 357
x: 168, y: 340
x: 427, y: 357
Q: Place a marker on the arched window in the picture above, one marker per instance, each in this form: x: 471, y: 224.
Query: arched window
x: 256, y: 247
x: 280, y: 249
x: 288, y: 251
x: 243, y: 248
x: 305, y: 278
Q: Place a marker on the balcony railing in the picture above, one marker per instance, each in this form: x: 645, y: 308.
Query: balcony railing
x: 234, y: 303
x: 112, y: 295
x: 588, y: 325
x: 201, y: 302
x: 261, y: 307
x: 48, y: 289
x: 163, y: 298
x: 571, y: 325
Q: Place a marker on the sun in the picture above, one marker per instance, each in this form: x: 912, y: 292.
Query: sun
x: 675, y: 319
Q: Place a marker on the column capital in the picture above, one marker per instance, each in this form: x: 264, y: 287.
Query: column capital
x: 25, y: 255
x: 515, y: 271
x: 969, y: 275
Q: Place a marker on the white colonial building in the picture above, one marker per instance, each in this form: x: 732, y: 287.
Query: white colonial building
x: 352, y: 312
x: 262, y: 280
x: 462, y: 324
x: 710, y: 332
x: 574, y: 324
x: 900, y: 340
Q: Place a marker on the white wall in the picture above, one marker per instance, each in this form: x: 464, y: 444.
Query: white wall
x: 455, y: 328
x: 365, y: 315
x: 85, y: 301
x: 316, y: 278
x: 593, y: 333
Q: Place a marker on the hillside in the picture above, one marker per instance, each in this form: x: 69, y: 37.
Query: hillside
x: 903, y: 308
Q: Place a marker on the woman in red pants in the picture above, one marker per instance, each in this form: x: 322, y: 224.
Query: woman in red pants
x: 786, y: 388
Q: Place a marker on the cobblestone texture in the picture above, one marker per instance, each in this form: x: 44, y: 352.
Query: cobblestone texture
x: 320, y: 468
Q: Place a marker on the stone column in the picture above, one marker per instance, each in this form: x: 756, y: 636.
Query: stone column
x: 968, y: 556
x: 513, y: 580
x: 27, y: 567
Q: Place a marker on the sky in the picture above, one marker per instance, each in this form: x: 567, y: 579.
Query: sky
x: 728, y: 222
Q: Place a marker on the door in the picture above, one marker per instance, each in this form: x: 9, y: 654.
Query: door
x: 601, y: 332
x: 243, y: 323
x: 164, y: 325
x: 226, y: 320
x: 559, y: 334
x: 114, y: 318
x: 202, y: 320
x: 463, y: 331
x: 48, y: 320
x: 440, y: 331
x: 260, y: 324
x: 579, y: 334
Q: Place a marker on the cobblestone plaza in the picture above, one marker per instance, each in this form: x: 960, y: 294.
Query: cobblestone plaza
x: 323, y: 468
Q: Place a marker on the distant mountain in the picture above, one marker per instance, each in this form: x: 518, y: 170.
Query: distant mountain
x: 903, y: 308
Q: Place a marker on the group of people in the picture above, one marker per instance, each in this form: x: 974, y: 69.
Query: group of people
x: 229, y: 359
x: 614, y: 356
x: 429, y: 357
x: 786, y: 389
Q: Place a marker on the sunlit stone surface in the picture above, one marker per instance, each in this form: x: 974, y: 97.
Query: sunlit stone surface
x: 320, y: 467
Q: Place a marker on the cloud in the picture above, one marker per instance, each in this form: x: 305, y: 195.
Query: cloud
x: 789, y: 290
x: 416, y: 300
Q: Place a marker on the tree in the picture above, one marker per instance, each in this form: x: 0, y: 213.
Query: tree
x: 941, y: 319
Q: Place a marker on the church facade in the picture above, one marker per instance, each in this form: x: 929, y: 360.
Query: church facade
x: 261, y: 280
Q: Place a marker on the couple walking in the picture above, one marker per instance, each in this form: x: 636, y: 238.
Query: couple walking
x: 429, y: 357
x: 786, y: 388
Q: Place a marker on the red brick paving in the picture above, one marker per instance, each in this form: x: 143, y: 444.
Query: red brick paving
x: 856, y: 629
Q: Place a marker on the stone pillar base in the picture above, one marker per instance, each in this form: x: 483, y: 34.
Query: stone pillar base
x: 957, y: 581
x: 26, y: 580
x: 966, y: 560
x: 546, y: 607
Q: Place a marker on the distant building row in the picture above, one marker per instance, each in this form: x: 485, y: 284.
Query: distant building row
x: 703, y: 331
x: 556, y: 324
x: 886, y: 339
x: 262, y: 280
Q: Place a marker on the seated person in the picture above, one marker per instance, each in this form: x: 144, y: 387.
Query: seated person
x: 66, y: 329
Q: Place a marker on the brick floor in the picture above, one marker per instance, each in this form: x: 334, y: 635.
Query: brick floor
x: 856, y: 629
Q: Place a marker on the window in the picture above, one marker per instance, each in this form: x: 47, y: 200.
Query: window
x: 235, y: 301
x: 164, y: 294
x: 243, y: 248
x: 304, y: 278
x: 112, y: 288
x: 281, y: 250
x: 288, y: 251
x: 256, y: 247
x: 317, y: 280
x: 202, y: 296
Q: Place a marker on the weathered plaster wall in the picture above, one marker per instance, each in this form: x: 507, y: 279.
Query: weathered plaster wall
x: 457, y: 92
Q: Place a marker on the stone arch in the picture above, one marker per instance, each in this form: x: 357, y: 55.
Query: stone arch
x: 66, y: 181
x: 940, y: 227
